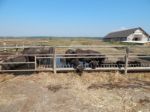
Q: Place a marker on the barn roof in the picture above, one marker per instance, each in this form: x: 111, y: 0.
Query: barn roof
x: 123, y: 33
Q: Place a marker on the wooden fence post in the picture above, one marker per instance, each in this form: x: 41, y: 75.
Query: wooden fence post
x: 4, y: 44
x: 54, y: 60
x: 16, y: 49
x: 126, y: 61
x: 35, y: 64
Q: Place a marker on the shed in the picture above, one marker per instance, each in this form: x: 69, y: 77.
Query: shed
x: 129, y: 35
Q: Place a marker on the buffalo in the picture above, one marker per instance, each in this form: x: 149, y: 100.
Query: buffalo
x: 79, y: 63
x: 27, y: 55
x: 13, y: 59
x: 130, y: 63
x: 37, y: 51
x: 41, y: 52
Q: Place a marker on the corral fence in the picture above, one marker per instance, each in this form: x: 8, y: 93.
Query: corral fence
x: 55, y: 62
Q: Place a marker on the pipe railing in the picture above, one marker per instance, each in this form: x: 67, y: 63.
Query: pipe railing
x: 54, y: 56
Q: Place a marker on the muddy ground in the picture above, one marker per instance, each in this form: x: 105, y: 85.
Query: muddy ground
x: 68, y: 92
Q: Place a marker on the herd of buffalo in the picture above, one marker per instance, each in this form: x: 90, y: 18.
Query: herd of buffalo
x: 27, y: 55
x: 77, y: 58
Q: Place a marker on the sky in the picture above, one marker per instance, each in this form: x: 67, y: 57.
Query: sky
x: 92, y: 18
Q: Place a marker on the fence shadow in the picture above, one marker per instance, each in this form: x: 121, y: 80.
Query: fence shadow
x: 122, y: 85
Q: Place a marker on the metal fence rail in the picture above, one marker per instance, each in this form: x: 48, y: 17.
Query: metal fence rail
x: 48, y: 62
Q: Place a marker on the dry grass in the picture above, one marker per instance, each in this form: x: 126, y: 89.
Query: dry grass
x: 51, y: 42
x: 71, y: 42
x: 6, y: 77
x: 139, y: 76
x: 96, y: 89
x: 73, y: 79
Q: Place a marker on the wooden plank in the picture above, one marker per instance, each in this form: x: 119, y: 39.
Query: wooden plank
x: 86, y: 69
x: 26, y: 55
x: 108, y: 68
x: 90, y: 69
x: 140, y: 56
x: 81, y: 46
x: 58, y: 55
x: 126, y: 60
x: 91, y: 57
x: 27, y: 70
x: 44, y: 57
x: 35, y: 64
x: 54, y: 60
x: 89, y: 54
x: 138, y: 68
x: 3, y: 63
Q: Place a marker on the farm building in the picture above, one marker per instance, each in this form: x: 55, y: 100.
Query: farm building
x: 135, y: 35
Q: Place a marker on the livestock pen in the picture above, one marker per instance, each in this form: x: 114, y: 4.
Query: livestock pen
x: 118, y: 58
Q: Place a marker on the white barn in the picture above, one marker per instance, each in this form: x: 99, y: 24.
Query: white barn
x: 134, y: 35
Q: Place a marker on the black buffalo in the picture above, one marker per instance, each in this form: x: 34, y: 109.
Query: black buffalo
x: 30, y: 52
x: 11, y: 66
x: 78, y: 63
x: 28, y: 55
x: 130, y: 63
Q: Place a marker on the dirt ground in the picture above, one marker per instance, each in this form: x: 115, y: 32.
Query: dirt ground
x: 68, y: 92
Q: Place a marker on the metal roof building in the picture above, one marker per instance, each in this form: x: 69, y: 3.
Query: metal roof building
x: 129, y: 35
